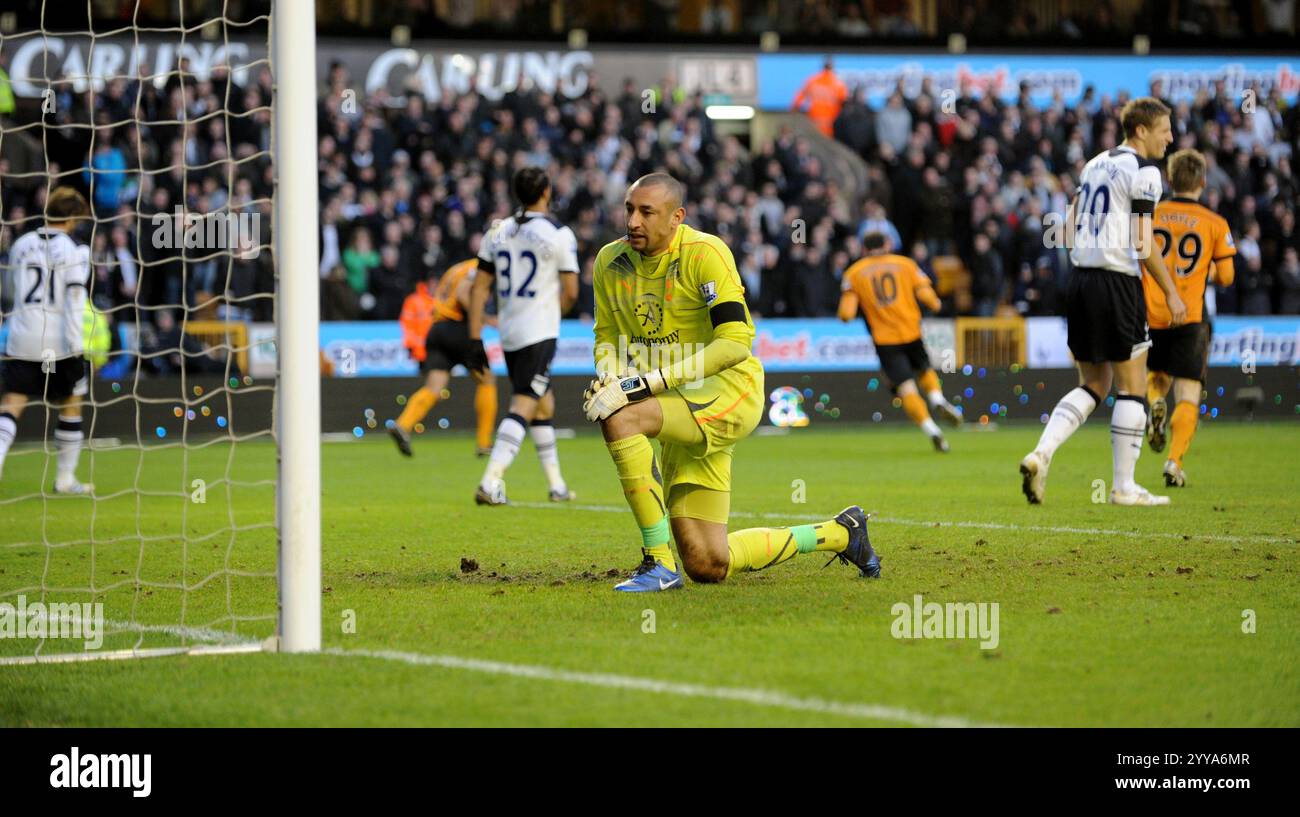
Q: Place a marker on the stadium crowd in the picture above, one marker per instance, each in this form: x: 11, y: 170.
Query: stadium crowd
x: 406, y: 189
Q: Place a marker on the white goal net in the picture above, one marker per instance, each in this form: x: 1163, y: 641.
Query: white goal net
x: 150, y: 500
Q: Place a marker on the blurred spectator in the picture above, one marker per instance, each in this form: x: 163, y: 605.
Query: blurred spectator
x: 894, y: 124
x: 359, y: 259
x: 106, y: 175
x: 856, y: 124
x: 874, y: 221
x: 166, y: 350
x: 921, y: 255
x: 824, y: 94
x: 987, y: 277
x: 1289, y: 281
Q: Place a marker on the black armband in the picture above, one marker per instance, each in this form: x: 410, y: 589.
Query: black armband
x: 727, y: 311
x: 487, y: 266
x: 1142, y: 207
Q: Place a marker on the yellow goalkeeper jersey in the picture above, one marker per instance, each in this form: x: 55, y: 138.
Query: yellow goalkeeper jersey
x: 652, y: 312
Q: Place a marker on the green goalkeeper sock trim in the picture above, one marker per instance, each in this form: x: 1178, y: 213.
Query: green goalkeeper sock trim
x: 655, y: 535
x: 805, y: 537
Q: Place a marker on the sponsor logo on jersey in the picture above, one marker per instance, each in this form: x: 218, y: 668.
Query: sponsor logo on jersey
x: 649, y: 313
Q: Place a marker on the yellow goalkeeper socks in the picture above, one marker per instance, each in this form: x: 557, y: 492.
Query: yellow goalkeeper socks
x: 759, y: 548
x: 634, y: 460
x: 417, y: 407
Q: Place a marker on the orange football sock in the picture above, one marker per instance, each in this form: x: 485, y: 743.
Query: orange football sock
x: 929, y: 381
x: 1184, y: 425
x: 916, y: 409
x: 485, y: 407
x: 418, y: 406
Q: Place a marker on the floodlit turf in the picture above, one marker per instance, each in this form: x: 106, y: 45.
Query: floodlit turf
x: 1107, y: 616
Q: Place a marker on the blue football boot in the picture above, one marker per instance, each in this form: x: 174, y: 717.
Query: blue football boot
x: 859, y: 553
x: 651, y: 577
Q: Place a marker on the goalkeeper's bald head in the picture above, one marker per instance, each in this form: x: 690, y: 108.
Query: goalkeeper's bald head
x: 675, y: 191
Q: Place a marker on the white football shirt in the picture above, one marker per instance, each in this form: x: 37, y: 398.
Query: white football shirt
x: 527, y: 257
x: 51, y: 274
x: 1113, y: 187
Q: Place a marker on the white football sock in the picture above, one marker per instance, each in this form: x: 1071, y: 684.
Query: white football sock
x: 67, y: 442
x: 930, y: 427
x: 1128, y: 425
x: 543, y: 433
x: 8, y: 430
x: 936, y: 398
x: 510, y: 435
x: 1070, y: 413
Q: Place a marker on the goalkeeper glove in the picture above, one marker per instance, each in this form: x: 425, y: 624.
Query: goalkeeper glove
x: 607, y: 394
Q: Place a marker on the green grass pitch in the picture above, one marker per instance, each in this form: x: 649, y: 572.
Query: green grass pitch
x: 1108, y: 616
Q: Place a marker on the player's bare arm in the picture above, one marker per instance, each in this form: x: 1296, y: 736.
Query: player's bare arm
x: 479, y: 294
x: 1069, y: 223
x: 568, y: 290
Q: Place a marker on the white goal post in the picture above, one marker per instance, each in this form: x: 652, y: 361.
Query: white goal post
x: 293, y: 53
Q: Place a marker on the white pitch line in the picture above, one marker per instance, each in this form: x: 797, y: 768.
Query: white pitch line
x: 226, y: 643
x: 114, y: 627
x: 921, y: 523
x: 757, y: 697
x: 127, y: 655
x: 191, y: 633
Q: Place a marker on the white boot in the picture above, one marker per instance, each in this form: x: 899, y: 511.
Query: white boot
x: 1033, y: 470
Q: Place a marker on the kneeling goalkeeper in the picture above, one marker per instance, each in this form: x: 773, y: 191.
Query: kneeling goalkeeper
x: 670, y: 303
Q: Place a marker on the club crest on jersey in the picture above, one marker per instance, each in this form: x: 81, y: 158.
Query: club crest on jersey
x: 649, y: 312
x: 709, y: 290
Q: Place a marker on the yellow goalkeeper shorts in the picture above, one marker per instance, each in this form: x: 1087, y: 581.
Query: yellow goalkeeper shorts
x: 704, y: 421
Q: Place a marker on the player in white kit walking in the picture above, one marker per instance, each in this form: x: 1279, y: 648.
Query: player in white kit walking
x: 532, y: 261
x: 1108, y: 230
x: 43, y: 352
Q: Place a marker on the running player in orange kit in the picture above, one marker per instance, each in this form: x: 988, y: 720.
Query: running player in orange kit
x: 887, y: 289
x: 448, y: 344
x: 1195, y: 243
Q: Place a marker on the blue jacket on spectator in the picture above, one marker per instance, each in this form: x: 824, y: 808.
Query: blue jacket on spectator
x: 109, y: 165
